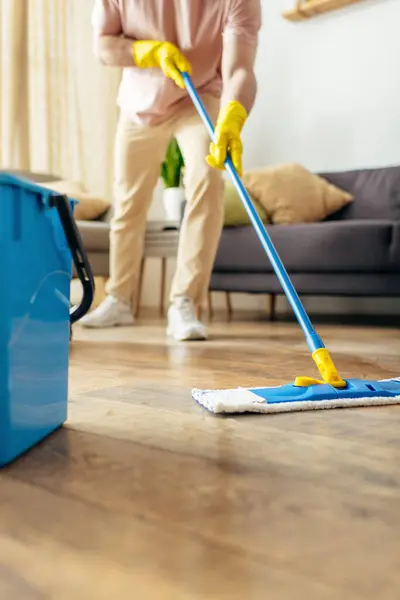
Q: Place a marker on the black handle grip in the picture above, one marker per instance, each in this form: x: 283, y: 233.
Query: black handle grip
x: 81, y: 262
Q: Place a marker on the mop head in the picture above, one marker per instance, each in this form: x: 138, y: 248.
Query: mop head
x: 287, y: 398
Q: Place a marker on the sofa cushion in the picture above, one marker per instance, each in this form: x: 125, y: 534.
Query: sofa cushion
x: 350, y: 246
x: 376, y: 193
x: 395, y: 253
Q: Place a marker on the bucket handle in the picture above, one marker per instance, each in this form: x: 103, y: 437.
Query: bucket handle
x: 81, y: 262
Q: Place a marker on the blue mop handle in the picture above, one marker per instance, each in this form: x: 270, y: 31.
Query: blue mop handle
x: 313, y: 340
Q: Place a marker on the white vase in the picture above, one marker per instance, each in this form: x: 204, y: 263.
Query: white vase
x: 173, y: 199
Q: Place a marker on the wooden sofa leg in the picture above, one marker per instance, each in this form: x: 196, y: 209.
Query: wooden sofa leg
x: 139, y: 289
x: 272, y: 307
x: 162, y: 285
x: 210, y: 305
x: 229, y: 305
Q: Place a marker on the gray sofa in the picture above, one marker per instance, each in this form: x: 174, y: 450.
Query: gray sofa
x: 355, y: 252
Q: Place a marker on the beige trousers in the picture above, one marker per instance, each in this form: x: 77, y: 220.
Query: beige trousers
x: 139, y: 152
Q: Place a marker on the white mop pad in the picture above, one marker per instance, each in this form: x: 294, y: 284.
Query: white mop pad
x: 243, y: 400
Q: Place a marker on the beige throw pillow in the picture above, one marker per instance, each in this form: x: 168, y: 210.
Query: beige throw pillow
x: 235, y: 214
x: 292, y: 194
x: 89, y: 207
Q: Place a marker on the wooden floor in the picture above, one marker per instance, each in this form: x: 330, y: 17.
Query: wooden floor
x: 144, y: 495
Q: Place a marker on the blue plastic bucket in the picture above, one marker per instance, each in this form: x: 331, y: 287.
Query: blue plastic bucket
x: 38, y: 242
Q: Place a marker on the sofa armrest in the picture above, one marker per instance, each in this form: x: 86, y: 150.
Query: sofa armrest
x: 95, y: 235
x: 31, y: 175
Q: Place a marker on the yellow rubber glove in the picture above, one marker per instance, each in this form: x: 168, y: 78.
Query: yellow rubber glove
x: 228, y: 128
x: 166, y: 56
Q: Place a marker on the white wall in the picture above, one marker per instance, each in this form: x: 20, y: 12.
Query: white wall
x: 328, y: 97
x: 329, y: 88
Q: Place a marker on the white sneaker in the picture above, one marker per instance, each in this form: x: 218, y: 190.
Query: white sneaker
x: 183, y: 324
x: 110, y: 313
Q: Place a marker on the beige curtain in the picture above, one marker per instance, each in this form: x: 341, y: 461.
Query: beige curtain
x: 14, y: 137
x: 57, y: 104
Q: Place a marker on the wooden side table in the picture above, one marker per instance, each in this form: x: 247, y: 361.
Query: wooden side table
x: 161, y: 241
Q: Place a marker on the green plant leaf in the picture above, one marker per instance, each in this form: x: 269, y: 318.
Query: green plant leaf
x: 171, y: 168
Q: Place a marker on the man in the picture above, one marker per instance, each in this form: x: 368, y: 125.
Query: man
x: 155, y: 41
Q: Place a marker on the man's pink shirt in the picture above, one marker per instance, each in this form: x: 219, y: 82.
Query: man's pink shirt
x: 197, y: 27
